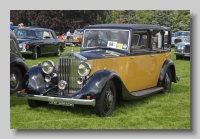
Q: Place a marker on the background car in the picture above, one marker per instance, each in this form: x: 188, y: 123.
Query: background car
x: 38, y: 41
x: 182, y: 48
x: 179, y: 34
x: 75, y: 38
x: 18, y: 67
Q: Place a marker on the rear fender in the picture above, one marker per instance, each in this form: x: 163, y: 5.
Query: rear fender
x: 168, y: 64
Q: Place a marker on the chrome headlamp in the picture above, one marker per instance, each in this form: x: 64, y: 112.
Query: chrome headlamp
x: 48, y: 66
x: 84, y: 68
x: 22, y: 46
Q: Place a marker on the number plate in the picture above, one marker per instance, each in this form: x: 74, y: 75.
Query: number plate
x: 61, y: 103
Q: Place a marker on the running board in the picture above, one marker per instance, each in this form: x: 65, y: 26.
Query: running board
x: 146, y: 92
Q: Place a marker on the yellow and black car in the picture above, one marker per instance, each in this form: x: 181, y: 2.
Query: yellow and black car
x: 127, y: 61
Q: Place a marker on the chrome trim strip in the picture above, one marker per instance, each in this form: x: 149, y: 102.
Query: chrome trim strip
x: 57, y: 99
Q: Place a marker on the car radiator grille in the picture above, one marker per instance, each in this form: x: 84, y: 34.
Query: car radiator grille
x: 187, y: 49
x: 177, y: 40
x: 68, y: 71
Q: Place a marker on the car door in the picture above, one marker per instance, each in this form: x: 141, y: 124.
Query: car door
x: 139, y: 66
x: 54, y: 42
x: 48, y: 46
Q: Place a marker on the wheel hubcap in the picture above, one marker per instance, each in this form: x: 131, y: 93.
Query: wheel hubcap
x: 13, y: 80
x: 109, y: 98
x: 167, y: 81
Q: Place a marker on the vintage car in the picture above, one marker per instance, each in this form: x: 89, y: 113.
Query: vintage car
x: 74, y: 39
x: 18, y: 67
x: 182, y: 48
x: 179, y: 34
x: 116, y: 61
x: 38, y: 41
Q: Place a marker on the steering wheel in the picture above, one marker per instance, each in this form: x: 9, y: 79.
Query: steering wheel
x: 99, y: 43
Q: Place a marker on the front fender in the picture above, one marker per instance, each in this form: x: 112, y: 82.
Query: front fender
x: 95, y: 84
x: 33, y: 81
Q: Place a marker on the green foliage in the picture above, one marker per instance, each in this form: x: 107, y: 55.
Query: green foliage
x: 163, y: 17
x: 63, y: 20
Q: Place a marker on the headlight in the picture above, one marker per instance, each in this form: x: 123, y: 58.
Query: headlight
x: 84, y: 68
x: 22, y: 46
x: 47, y: 66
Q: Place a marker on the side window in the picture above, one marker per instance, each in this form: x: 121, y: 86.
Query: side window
x: 166, y: 39
x: 46, y: 34
x: 139, y: 40
x: 156, y: 40
x: 143, y: 41
x: 51, y: 35
x: 135, y: 39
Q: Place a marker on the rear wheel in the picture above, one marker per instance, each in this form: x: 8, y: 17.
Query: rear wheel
x: 178, y: 57
x: 35, y: 54
x: 167, y: 82
x: 58, y: 52
x: 106, y: 103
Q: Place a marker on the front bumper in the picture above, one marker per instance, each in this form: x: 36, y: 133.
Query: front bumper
x: 26, y: 52
x: 182, y: 54
x: 57, y: 99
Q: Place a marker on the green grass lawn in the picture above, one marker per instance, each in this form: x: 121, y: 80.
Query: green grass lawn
x: 159, y: 111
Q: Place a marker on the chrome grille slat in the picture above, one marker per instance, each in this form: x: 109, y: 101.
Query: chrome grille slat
x: 68, y: 71
x: 187, y: 49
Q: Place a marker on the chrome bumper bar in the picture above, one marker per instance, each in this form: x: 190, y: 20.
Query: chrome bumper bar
x: 57, y: 99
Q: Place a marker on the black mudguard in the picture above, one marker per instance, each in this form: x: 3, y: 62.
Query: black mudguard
x: 168, y: 64
x: 96, y: 82
x: 33, y: 81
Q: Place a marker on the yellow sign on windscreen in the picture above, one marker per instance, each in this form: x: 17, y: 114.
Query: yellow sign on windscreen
x: 119, y: 45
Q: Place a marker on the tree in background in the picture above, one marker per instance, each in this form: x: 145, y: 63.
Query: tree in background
x: 58, y: 20
x: 122, y: 16
x: 176, y: 20
x: 63, y: 20
x: 163, y: 18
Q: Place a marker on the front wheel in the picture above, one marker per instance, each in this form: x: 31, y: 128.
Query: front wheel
x: 106, y: 103
x: 15, y: 80
x: 167, y: 82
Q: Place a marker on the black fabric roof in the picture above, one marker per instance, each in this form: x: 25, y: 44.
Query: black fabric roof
x: 128, y: 26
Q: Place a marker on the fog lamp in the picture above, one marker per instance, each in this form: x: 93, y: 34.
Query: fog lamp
x: 62, y: 84
x: 47, y: 78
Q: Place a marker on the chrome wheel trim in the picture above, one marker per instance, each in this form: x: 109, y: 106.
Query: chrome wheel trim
x: 108, y: 101
x: 13, y: 80
x: 167, y: 81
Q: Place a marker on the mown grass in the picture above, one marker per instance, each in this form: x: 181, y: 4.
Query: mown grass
x: 159, y: 111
